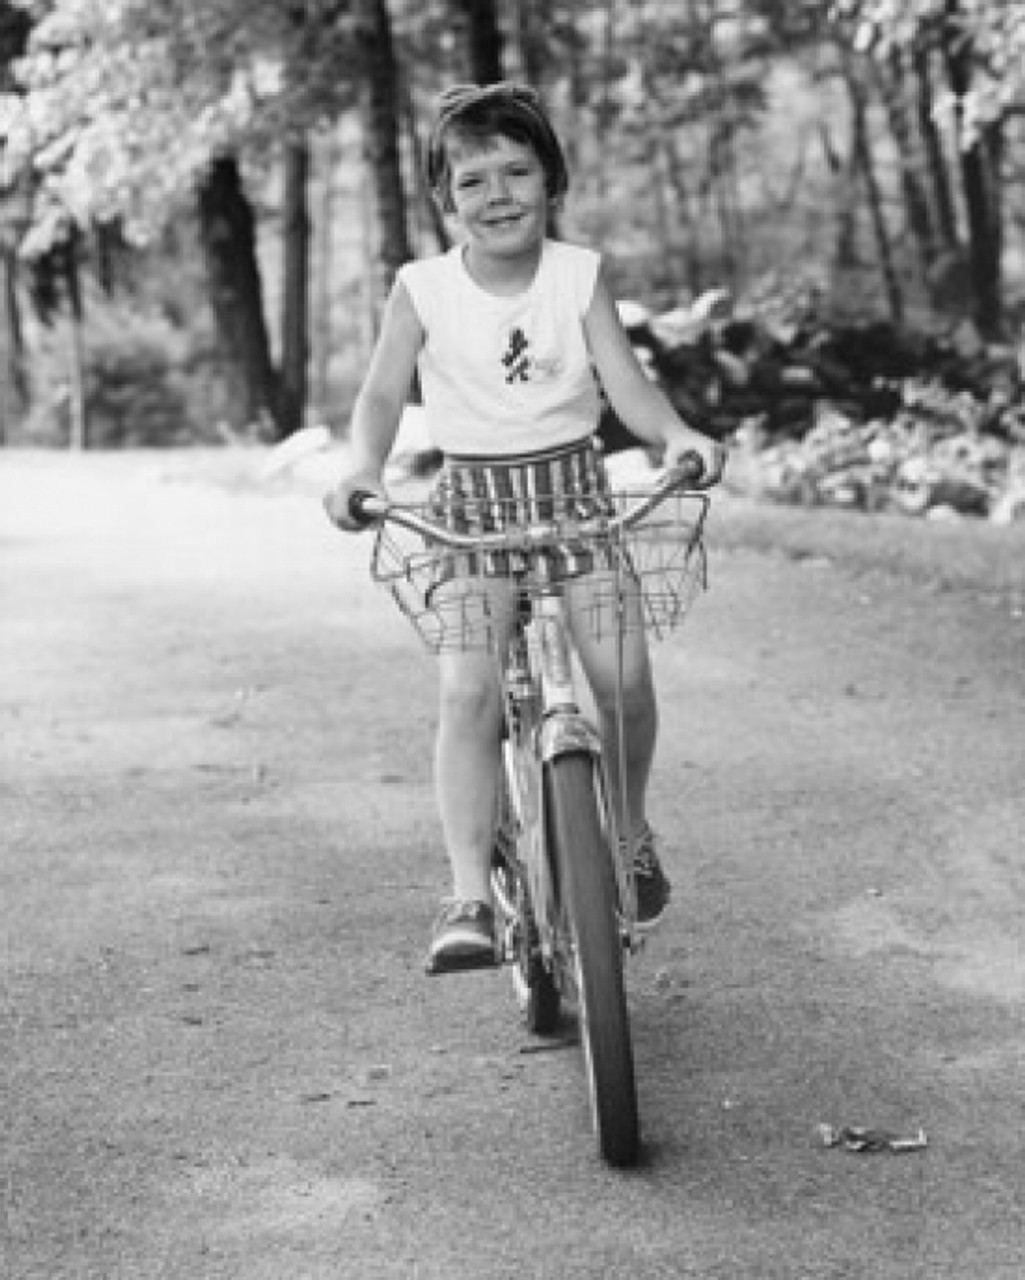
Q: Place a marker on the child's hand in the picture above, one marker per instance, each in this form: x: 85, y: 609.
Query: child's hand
x: 337, y: 504
x: 711, y: 453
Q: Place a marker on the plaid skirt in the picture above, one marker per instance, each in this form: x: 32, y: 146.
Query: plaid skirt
x: 487, y: 494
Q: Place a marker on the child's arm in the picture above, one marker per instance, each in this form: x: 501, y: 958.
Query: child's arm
x: 640, y: 403
x: 379, y: 404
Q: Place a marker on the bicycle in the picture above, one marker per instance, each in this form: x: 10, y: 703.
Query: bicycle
x: 562, y: 871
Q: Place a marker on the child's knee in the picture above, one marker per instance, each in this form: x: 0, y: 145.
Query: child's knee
x: 637, y: 696
x: 472, y: 702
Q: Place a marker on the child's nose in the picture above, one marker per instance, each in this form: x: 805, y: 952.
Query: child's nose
x: 498, y: 187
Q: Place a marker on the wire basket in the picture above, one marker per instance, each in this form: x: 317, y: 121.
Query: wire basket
x: 660, y: 569
x: 647, y: 577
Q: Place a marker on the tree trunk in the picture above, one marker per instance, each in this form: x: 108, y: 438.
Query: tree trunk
x: 690, y: 230
x: 227, y: 229
x: 531, y: 42
x: 603, y: 111
x: 381, y: 133
x: 980, y: 179
x: 980, y: 166
x: 109, y: 256
x: 295, y: 340
x: 484, y: 39
x: 14, y: 386
x: 428, y: 212
x: 862, y: 152
x: 845, y: 250
x: 666, y: 181
x: 79, y: 425
x: 661, y: 186
x: 323, y: 276
x: 893, y: 88
x: 576, y: 72
x: 935, y: 159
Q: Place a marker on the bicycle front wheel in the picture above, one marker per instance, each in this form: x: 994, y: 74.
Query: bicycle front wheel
x: 587, y: 886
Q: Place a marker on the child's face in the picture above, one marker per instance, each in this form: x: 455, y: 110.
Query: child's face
x: 499, y: 194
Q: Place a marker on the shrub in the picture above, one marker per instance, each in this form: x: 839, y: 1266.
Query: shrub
x: 135, y: 382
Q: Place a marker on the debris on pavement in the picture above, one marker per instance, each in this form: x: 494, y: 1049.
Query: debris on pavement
x: 855, y: 1138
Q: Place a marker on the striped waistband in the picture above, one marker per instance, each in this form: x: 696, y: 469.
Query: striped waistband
x: 587, y: 445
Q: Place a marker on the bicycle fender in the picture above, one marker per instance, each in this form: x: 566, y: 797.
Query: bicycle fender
x: 562, y: 734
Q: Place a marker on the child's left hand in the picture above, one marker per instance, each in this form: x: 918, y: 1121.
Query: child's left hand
x: 711, y: 453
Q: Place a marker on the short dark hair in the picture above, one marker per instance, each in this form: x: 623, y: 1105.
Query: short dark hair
x: 473, y: 113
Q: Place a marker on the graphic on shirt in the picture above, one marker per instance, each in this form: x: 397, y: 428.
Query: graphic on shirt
x: 516, y: 359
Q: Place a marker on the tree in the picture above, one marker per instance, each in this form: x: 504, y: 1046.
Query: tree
x: 228, y: 233
x: 981, y: 47
x: 981, y: 155
x: 15, y: 215
x: 380, y: 103
x: 295, y: 341
x: 128, y: 110
x: 483, y: 39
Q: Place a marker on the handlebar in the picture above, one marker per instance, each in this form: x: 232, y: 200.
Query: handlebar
x: 369, y: 508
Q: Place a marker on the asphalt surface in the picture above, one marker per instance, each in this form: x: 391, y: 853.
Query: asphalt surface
x: 220, y: 861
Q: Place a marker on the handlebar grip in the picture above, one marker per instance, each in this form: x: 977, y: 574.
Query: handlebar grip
x: 690, y: 468
x: 364, y: 507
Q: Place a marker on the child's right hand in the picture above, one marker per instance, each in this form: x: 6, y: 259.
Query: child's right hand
x: 337, y: 504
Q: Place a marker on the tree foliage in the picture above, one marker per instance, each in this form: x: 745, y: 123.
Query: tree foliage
x: 123, y: 104
x: 123, y: 112
x: 991, y: 34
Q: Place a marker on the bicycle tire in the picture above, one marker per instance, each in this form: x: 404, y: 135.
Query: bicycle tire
x: 587, y: 887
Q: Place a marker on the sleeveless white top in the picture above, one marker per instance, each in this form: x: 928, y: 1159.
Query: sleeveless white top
x: 505, y: 376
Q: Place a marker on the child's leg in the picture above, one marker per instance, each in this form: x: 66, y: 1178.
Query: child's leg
x: 640, y: 712
x: 466, y: 767
x: 640, y: 726
x: 467, y: 749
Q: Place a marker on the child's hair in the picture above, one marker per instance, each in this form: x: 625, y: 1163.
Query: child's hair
x: 476, y: 113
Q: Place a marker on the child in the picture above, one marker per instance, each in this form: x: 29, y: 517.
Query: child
x: 507, y: 330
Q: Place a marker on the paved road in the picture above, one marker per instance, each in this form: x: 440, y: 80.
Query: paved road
x: 220, y: 860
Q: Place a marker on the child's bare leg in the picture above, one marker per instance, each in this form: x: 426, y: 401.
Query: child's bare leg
x: 640, y: 729
x: 466, y: 775
x: 640, y: 711
x: 466, y: 767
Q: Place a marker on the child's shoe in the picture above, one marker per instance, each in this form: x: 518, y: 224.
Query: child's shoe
x: 464, y: 937
x: 652, y: 883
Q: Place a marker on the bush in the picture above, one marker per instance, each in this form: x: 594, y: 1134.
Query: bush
x: 135, y: 382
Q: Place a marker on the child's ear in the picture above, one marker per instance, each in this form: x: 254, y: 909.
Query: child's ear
x: 442, y: 197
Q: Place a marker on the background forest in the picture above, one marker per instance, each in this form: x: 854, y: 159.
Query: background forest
x: 202, y: 203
